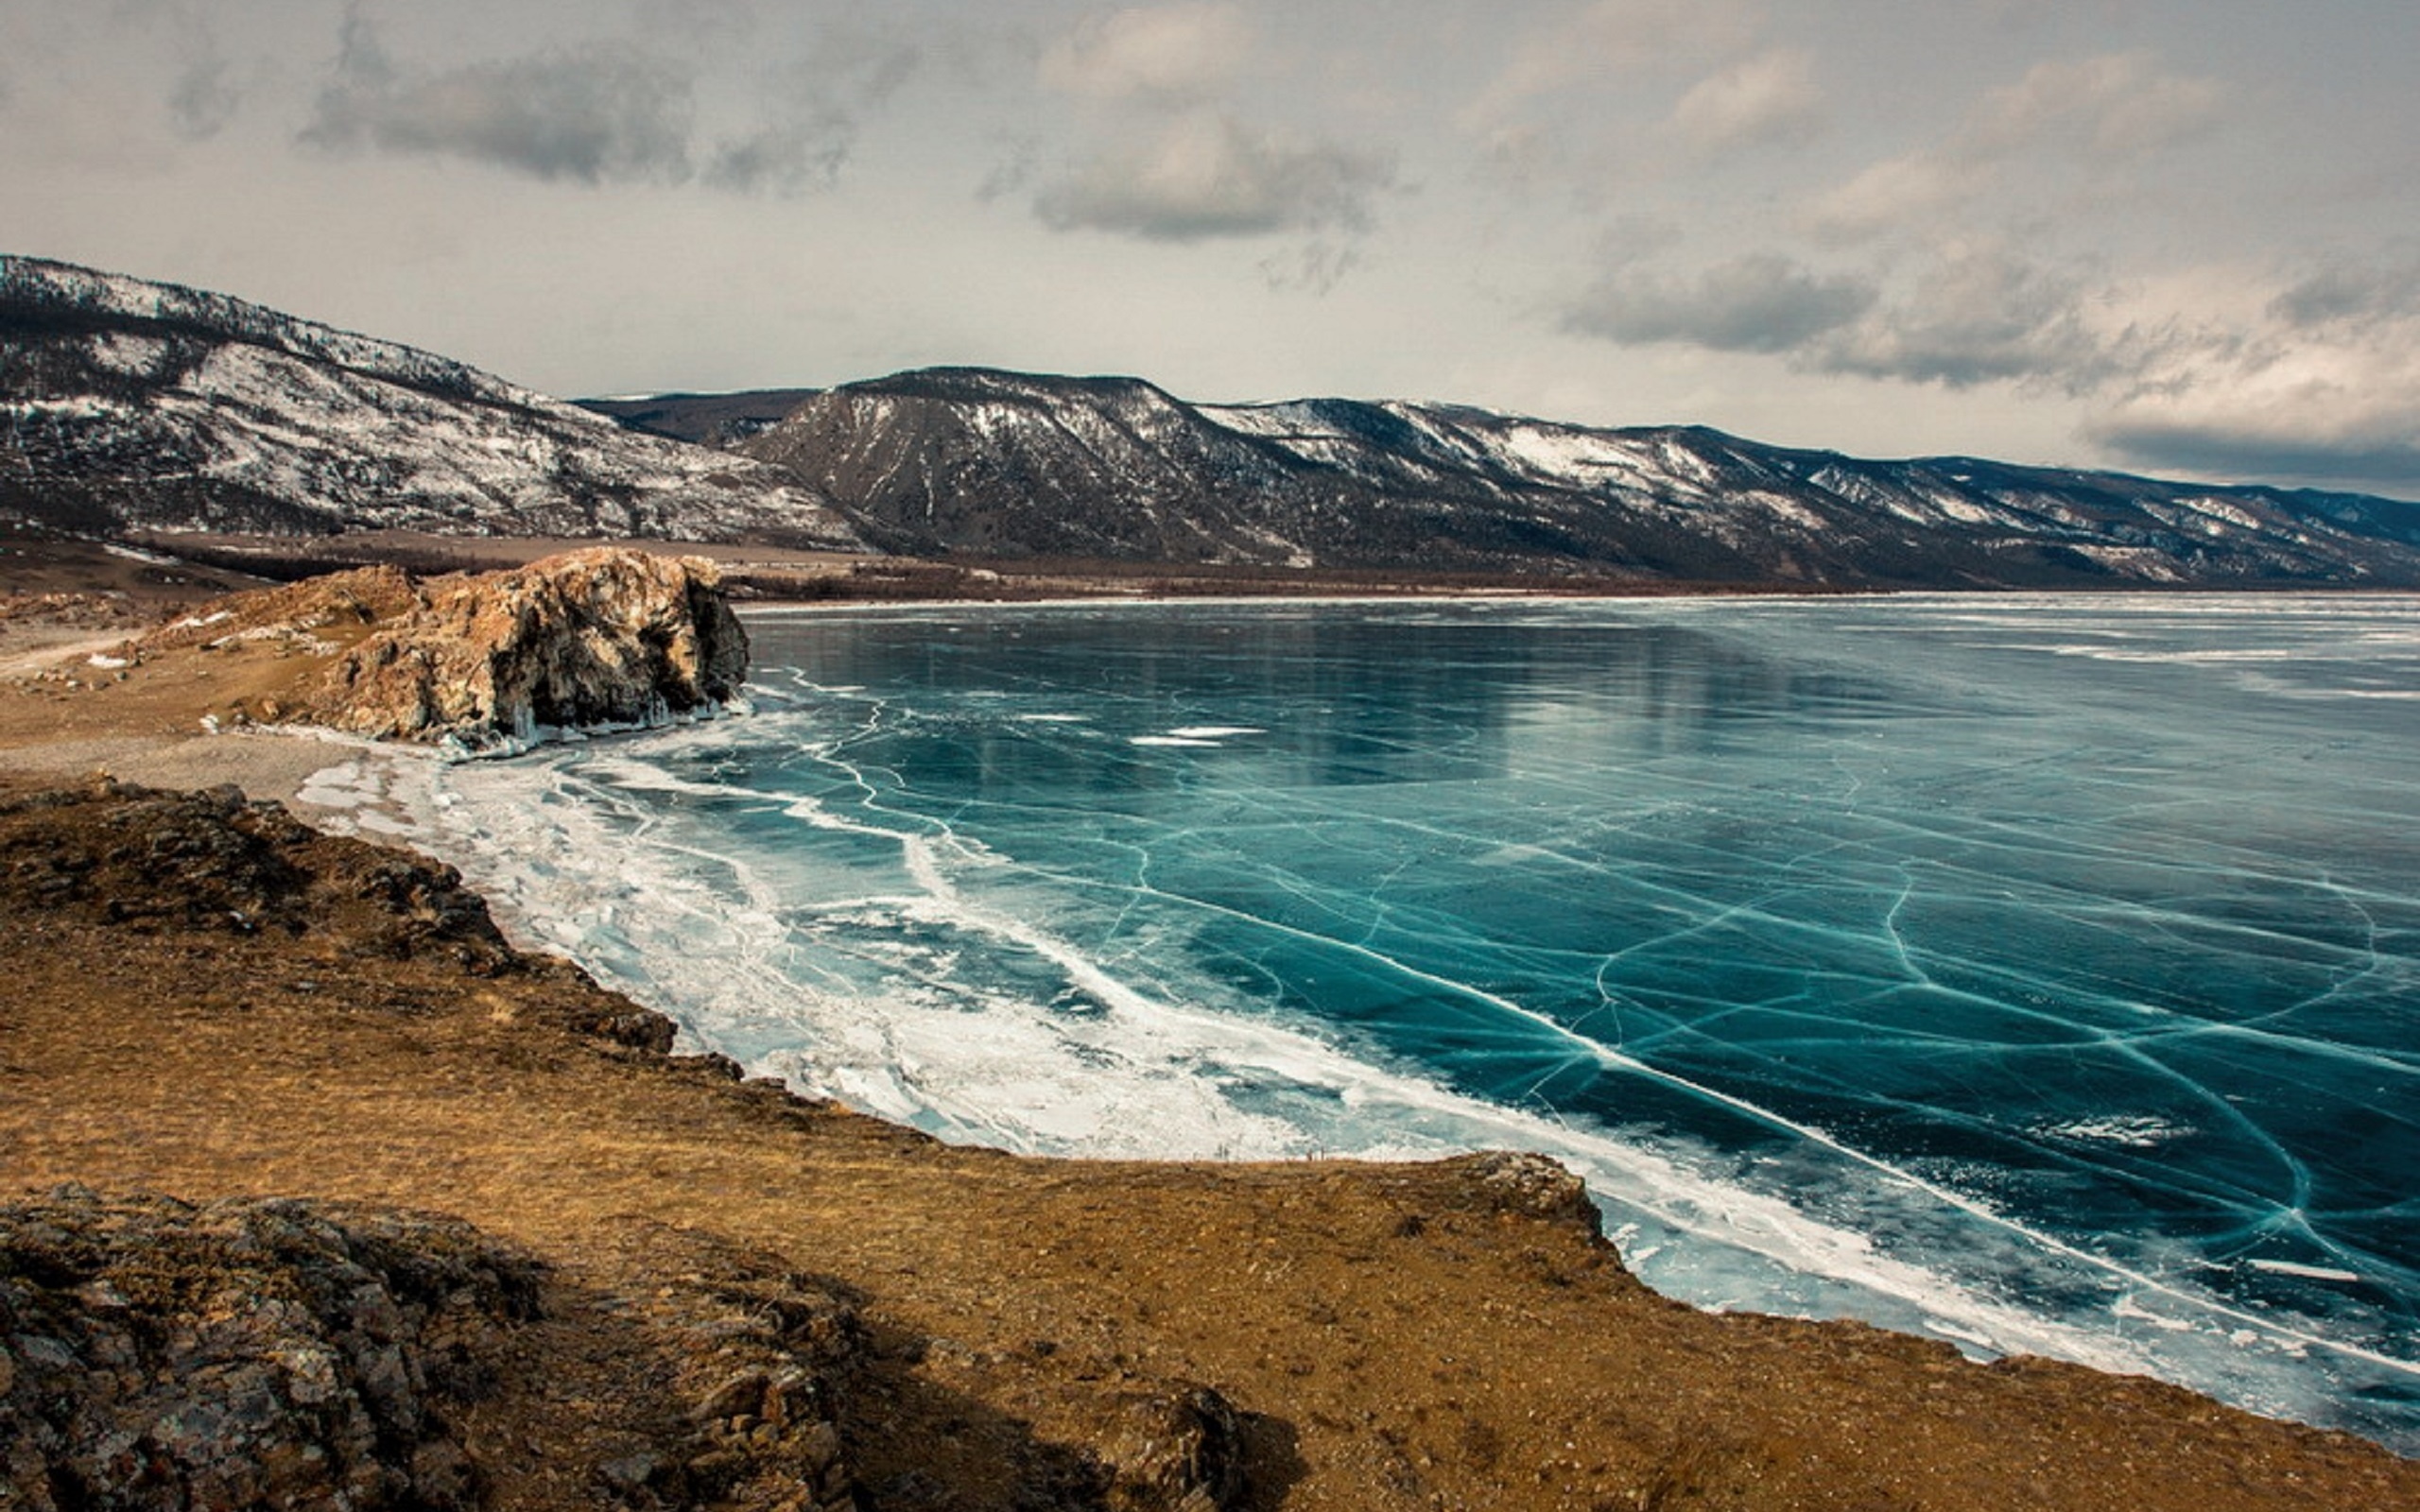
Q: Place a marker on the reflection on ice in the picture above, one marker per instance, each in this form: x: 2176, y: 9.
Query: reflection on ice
x: 2038, y: 1001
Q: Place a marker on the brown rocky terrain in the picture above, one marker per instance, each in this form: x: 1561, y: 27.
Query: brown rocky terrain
x: 603, y: 635
x: 315, y: 1193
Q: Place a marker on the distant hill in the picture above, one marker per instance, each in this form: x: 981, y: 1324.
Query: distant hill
x: 702, y: 420
x: 969, y: 460
x: 127, y: 404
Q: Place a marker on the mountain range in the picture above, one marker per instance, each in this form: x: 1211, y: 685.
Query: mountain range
x: 127, y: 406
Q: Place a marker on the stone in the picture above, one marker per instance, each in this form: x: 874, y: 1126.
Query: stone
x: 742, y: 1396
x: 1181, y: 1449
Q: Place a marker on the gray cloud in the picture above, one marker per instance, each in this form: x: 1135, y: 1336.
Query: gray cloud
x: 1976, y: 315
x: 1983, y: 316
x: 594, y: 116
x: 2369, y: 462
x: 1758, y: 302
x: 786, y: 159
x: 2346, y: 290
x: 204, y: 101
x: 817, y: 115
x: 1315, y: 267
x: 1206, y: 176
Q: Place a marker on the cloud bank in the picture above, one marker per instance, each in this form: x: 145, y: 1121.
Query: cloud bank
x: 598, y: 114
x: 606, y: 112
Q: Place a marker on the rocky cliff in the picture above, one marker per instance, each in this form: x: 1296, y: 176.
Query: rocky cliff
x: 608, y: 636
x: 156, y: 1354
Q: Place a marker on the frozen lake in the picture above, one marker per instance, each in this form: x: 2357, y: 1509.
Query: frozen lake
x: 2038, y: 972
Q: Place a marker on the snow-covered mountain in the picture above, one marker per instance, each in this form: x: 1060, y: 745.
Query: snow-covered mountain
x: 127, y: 404
x: 131, y: 404
x: 973, y: 460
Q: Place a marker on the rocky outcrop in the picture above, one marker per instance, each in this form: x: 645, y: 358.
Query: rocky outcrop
x: 609, y: 636
x: 157, y: 1356
x: 243, y: 1353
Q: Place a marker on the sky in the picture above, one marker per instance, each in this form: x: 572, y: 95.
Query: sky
x: 2174, y: 236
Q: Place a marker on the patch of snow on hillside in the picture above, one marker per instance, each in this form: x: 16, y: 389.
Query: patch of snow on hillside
x: 1562, y: 455
x: 123, y: 352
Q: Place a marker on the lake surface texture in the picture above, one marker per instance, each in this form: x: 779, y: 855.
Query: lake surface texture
x: 2041, y: 973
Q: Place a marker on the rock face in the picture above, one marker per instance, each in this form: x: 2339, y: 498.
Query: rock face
x: 243, y: 1353
x: 609, y: 636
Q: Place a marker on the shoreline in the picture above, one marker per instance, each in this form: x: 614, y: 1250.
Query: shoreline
x: 284, y: 765
x: 2104, y: 1349
x: 1362, y: 1323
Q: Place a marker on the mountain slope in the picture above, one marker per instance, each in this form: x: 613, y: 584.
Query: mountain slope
x: 125, y: 404
x: 973, y: 460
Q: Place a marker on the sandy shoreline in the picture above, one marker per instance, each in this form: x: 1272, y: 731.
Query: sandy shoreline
x: 265, y: 765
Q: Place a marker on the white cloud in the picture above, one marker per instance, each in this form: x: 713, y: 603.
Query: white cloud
x: 1205, y: 176
x: 2332, y: 412
x: 1758, y: 302
x: 2112, y: 108
x: 2099, y: 115
x: 1754, y: 101
x: 1594, y: 43
x: 1179, y: 53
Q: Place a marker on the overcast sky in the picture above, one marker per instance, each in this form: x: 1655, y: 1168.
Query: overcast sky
x: 2181, y: 236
